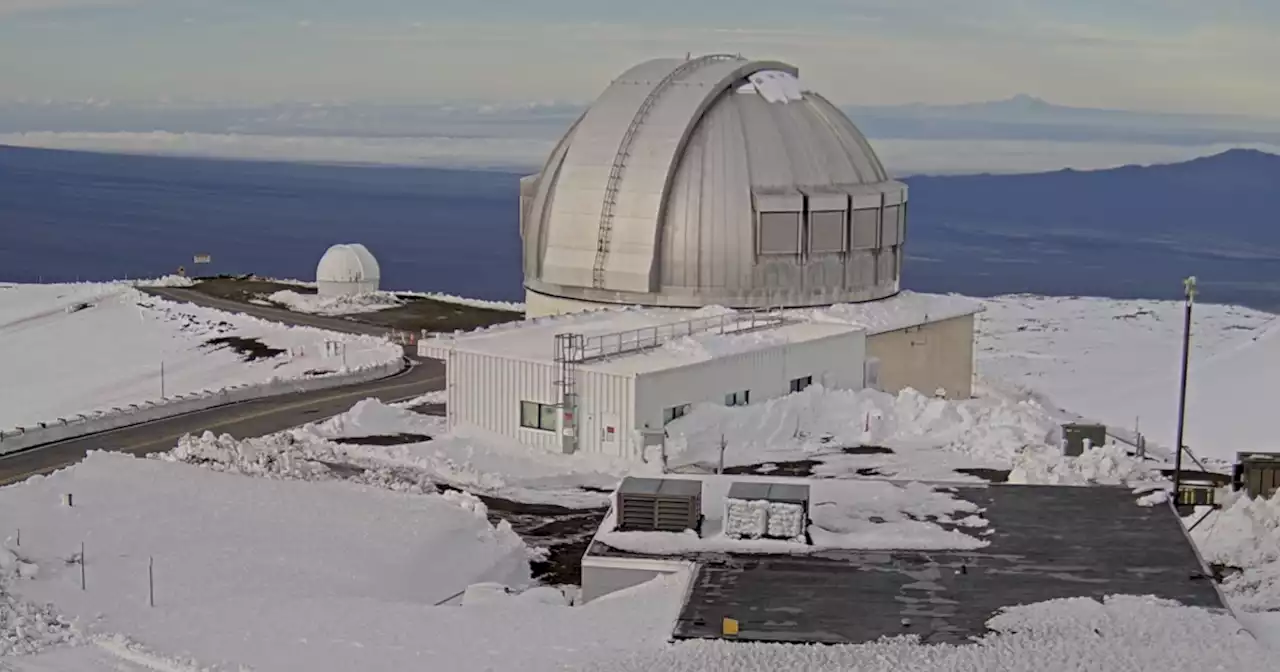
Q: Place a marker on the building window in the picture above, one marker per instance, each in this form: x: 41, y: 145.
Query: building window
x: 799, y: 384
x: 890, y: 226
x: 866, y: 229
x: 738, y: 398
x: 538, y: 416
x: 778, y: 233
x: 674, y: 412
x: 826, y: 231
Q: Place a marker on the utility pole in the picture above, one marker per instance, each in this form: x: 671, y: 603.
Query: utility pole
x: 1190, y: 287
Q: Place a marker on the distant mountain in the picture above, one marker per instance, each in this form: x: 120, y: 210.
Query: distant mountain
x: 1025, y: 117
x: 1226, y: 204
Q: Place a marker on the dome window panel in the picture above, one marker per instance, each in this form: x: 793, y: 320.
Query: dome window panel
x: 890, y: 226
x: 827, y: 232
x: 778, y: 233
x: 866, y: 229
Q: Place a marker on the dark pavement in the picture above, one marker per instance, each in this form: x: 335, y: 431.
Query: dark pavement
x: 1049, y: 542
x: 253, y: 418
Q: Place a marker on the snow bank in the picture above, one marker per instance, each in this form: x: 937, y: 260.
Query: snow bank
x: 335, y: 305
x: 1118, y: 361
x: 906, y: 309
x: 62, y: 331
x: 473, y: 461
x: 907, y: 435
x: 239, y: 555
x: 1245, y: 535
x: 464, y: 301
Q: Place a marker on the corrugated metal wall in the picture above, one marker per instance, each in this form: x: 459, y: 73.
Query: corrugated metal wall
x: 835, y: 362
x: 607, y: 400
x: 485, y: 391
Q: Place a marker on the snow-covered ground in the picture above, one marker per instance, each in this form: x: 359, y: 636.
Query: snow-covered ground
x: 236, y: 559
x: 380, y: 300
x: 478, y: 463
x: 77, y: 348
x: 1118, y: 362
x: 333, y: 305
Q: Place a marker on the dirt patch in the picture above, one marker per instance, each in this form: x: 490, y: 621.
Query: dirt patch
x: 435, y: 409
x: 381, y: 440
x: 866, y: 450
x: 793, y: 468
x: 249, y: 349
x: 420, y: 313
x: 871, y: 472
x: 565, y: 534
x: 989, y: 475
x: 245, y: 289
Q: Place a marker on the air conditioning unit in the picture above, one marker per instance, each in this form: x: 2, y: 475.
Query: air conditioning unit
x: 755, y: 510
x: 659, y: 505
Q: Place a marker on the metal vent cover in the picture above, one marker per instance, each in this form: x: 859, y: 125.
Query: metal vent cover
x: 659, y: 505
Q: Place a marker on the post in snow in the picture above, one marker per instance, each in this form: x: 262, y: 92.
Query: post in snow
x: 151, y: 582
x: 723, y: 444
x: 1189, y: 286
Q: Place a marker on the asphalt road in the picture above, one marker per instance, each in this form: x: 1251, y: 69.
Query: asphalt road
x: 252, y: 418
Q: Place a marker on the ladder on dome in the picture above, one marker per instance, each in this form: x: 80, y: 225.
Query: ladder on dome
x: 604, y: 234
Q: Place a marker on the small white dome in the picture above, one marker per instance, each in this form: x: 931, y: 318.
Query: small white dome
x: 348, y: 268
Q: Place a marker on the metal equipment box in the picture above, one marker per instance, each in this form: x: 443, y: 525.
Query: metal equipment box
x: 1075, y: 434
x: 659, y: 505
x: 1257, y: 474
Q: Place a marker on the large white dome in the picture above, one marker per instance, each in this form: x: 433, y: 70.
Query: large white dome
x: 714, y: 180
x: 348, y: 268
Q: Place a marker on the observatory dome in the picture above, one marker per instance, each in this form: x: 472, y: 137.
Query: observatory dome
x: 348, y: 268
x: 710, y: 181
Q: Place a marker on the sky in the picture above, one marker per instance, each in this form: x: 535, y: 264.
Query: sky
x: 1160, y: 55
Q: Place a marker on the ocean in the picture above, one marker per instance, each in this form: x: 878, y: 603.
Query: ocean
x: 67, y: 216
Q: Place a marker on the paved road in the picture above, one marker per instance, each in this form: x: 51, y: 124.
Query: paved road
x: 253, y: 418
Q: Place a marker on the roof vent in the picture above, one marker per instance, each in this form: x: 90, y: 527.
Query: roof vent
x: 659, y: 505
x: 754, y: 510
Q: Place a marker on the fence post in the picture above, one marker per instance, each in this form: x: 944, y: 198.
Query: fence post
x: 82, y: 584
x: 723, y: 444
x: 151, y: 582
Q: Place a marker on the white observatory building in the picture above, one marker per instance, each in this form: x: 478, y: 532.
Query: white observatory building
x: 347, y: 269
x: 688, y: 187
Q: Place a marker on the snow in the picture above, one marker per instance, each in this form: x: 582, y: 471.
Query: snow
x: 904, y: 436
x: 114, y: 340
x: 239, y: 560
x: 508, y: 306
x: 341, y: 304
x: 906, y: 309
x: 1245, y: 534
x: 534, y: 339
x: 845, y: 514
x: 1118, y: 362
x: 477, y: 462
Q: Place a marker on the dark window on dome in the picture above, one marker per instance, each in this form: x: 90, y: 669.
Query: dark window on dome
x: 826, y: 231
x: 866, y: 229
x: 778, y: 233
x: 891, y: 226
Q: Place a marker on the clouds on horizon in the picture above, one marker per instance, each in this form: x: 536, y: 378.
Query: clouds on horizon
x: 1168, y: 55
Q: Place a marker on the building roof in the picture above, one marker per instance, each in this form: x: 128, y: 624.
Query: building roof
x: 906, y: 309
x: 534, y: 340
x: 348, y: 262
x: 651, y: 197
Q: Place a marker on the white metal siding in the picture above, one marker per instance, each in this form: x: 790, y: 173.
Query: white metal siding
x: 836, y: 362
x: 606, y: 399
x: 485, y: 393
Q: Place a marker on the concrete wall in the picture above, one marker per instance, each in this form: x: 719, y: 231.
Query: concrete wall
x: 601, y: 576
x: 83, y: 425
x: 927, y: 357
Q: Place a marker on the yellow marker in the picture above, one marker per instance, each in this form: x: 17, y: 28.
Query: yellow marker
x: 730, y: 626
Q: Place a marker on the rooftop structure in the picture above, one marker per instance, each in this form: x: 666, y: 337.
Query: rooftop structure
x: 933, y: 561
x: 711, y: 181
x: 347, y: 268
